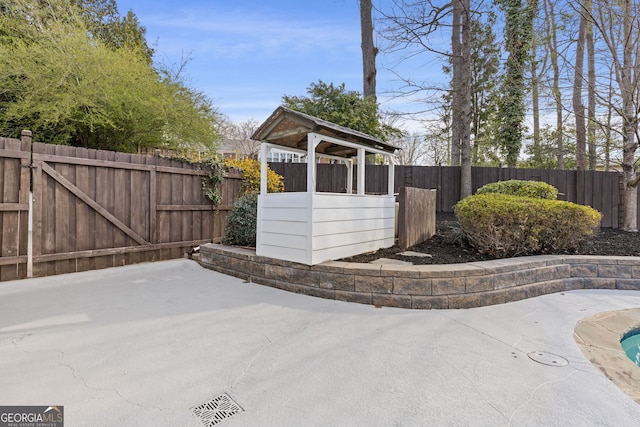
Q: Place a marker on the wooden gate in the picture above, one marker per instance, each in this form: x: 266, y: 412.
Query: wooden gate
x: 96, y: 209
x: 14, y: 206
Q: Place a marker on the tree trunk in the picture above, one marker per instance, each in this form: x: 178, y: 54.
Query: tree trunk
x: 535, y: 99
x: 628, y: 89
x: 578, y: 106
x: 557, y: 94
x: 629, y: 126
x: 591, y: 91
x: 456, y: 99
x: 465, y: 99
x: 369, y: 51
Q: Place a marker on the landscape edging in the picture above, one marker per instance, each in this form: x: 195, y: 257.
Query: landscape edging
x: 434, y: 286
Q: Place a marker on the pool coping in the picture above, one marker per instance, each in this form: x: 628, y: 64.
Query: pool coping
x: 599, y: 338
x: 435, y: 286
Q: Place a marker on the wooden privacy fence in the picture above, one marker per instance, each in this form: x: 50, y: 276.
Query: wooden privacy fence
x: 600, y: 190
x: 416, y: 216
x: 95, y: 209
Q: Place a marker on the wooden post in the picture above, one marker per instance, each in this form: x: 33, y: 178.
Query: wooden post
x: 361, y: 175
x: 391, y: 177
x: 264, y: 152
x: 26, y: 136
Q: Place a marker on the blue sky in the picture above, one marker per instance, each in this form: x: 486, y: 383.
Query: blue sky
x: 246, y: 54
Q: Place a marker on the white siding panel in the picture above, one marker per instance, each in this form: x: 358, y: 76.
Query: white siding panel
x: 291, y: 200
x: 284, y: 214
x: 284, y: 240
x: 323, y: 215
x: 286, y: 227
x: 350, y: 239
x: 340, y: 227
x: 350, y: 200
x: 286, y: 254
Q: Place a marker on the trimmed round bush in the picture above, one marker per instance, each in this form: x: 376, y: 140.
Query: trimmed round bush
x: 503, y: 225
x: 242, y: 221
x: 516, y: 187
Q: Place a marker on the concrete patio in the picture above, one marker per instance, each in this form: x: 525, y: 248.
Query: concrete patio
x: 141, y: 345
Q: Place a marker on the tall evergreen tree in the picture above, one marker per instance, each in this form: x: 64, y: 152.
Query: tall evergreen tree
x: 518, y: 36
x: 343, y: 107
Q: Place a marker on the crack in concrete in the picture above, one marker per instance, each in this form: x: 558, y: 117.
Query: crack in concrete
x: 533, y: 393
x: 77, y: 376
x: 522, y: 352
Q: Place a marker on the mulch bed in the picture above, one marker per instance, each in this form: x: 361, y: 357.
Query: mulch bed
x: 445, y: 246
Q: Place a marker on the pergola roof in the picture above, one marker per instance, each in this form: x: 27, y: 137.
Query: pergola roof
x: 289, y: 128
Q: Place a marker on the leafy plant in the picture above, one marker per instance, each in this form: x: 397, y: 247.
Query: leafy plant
x: 211, y: 182
x: 242, y: 221
x: 342, y: 107
x: 503, y: 225
x: 74, y: 81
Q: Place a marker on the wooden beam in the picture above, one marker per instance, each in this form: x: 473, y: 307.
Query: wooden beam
x: 186, y: 208
x: 54, y: 158
x: 116, y: 251
x: 285, y: 133
x: 9, y: 260
x: 14, y: 207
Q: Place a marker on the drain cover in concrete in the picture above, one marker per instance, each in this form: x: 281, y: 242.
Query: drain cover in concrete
x: 216, y: 410
x: 548, y: 359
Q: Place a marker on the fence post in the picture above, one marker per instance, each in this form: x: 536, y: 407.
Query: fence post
x: 26, y: 137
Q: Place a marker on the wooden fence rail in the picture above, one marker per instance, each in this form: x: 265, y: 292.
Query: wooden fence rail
x: 600, y: 190
x: 95, y: 209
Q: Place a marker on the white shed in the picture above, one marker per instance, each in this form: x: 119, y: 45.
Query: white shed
x: 312, y: 227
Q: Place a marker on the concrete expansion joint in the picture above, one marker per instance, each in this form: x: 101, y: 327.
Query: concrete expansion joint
x: 437, y: 286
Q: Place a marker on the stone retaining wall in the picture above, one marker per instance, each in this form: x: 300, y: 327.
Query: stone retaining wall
x: 429, y: 286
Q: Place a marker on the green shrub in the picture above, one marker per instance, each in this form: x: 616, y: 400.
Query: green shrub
x: 241, y: 222
x: 516, y: 187
x: 502, y: 225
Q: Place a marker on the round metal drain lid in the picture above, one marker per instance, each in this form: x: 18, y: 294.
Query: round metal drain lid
x: 548, y: 359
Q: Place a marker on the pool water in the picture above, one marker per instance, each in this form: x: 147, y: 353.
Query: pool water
x: 631, y: 345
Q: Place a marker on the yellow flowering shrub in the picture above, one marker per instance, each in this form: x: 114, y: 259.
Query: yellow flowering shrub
x: 251, y: 176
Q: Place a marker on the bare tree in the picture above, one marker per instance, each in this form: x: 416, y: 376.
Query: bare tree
x: 410, y: 25
x: 617, y: 24
x: 238, y: 137
x: 554, y: 55
x: 461, y: 107
x: 591, y: 87
x: 578, y: 106
x: 412, y: 149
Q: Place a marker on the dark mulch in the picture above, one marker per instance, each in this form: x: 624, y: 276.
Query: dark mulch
x: 446, y: 248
